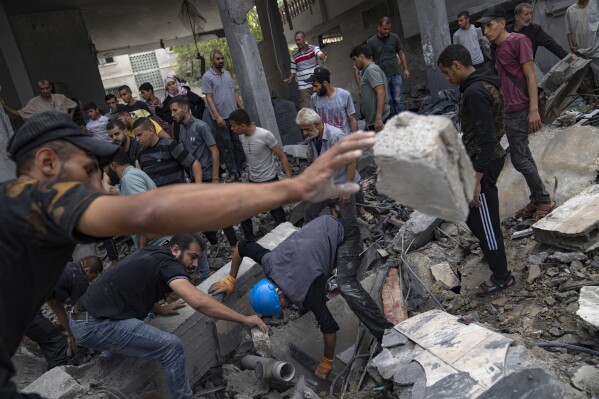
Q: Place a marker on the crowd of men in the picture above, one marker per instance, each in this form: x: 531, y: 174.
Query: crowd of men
x: 159, y: 150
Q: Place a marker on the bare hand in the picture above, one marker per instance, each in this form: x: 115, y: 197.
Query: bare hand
x: 378, y: 125
x: 574, y: 49
x: 255, y: 321
x: 316, y: 184
x: 72, y: 344
x: 406, y: 73
x: 171, y: 308
x: 287, y: 81
x: 324, y: 59
x: 221, y: 122
x: 534, y: 121
x: 475, y: 203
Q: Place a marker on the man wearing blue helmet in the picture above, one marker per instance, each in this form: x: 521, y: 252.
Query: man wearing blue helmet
x: 297, y: 272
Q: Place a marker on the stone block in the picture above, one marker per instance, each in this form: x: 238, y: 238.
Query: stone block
x: 534, y: 271
x: 587, y: 379
x: 444, y: 273
x: 246, y: 383
x: 588, y: 303
x: 55, y: 384
x: 417, y: 231
x: 393, y: 339
x: 425, y: 166
x: 262, y: 343
x: 573, y: 225
x: 566, y: 257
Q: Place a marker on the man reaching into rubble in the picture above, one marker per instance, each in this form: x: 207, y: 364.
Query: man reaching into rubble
x: 56, y: 202
x: 300, y: 267
x: 481, y: 115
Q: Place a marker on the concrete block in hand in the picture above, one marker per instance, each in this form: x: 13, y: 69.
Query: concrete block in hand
x: 425, y: 165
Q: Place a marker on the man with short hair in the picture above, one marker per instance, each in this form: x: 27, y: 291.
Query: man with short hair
x: 303, y: 62
x: 538, y: 37
x: 300, y: 268
x: 117, y: 131
x: 110, y: 315
x: 56, y: 202
x: 373, y: 89
x: 334, y: 105
x: 46, y: 101
x: 164, y: 160
x: 97, y: 122
x: 128, y: 120
x: 259, y: 146
x: 481, y: 117
x: 223, y: 98
x: 321, y: 137
x: 514, y: 64
x: 111, y: 102
x: 137, y: 109
x: 147, y: 93
x: 387, y: 52
x: 471, y: 38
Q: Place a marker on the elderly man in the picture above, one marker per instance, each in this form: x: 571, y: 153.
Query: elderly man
x: 299, y: 268
x: 321, y: 137
x: 46, y: 101
x: 56, y: 202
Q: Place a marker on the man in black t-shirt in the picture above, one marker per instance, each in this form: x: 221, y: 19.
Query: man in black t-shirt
x: 56, y: 202
x: 134, y: 107
x: 109, y: 317
x: 117, y: 131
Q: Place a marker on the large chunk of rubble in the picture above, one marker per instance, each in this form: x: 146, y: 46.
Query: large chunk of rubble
x: 447, y: 359
x: 425, y: 166
x: 574, y: 225
x: 55, y: 384
x: 417, y: 232
x: 588, y: 305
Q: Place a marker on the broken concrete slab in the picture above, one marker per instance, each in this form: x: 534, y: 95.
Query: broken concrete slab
x: 416, y: 273
x: 417, y: 231
x: 56, y: 384
x: 588, y: 303
x: 566, y: 257
x: 393, y: 339
x: 564, y: 175
x: 246, y: 383
x: 534, y: 271
x: 444, y: 273
x: 587, y: 379
x: 573, y: 225
x: 413, y: 149
x: 262, y: 343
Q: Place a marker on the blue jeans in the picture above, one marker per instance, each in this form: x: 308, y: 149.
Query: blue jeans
x: 394, y: 90
x: 203, y: 267
x: 132, y: 337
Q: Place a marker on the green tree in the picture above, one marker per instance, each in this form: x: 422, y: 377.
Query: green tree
x: 188, y: 66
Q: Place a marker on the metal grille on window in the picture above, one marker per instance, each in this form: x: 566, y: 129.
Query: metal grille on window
x: 146, y: 69
x: 330, y: 37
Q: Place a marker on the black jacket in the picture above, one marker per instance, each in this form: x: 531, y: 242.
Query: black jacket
x: 481, y: 115
x: 197, y: 109
x: 539, y: 37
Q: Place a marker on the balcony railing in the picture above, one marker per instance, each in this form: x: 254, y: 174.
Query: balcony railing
x: 296, y: 7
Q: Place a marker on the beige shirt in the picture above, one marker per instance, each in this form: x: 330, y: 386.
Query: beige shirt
x: 37, y: 105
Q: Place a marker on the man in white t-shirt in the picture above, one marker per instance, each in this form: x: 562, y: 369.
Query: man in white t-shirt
x: 259, y: 146
x: 582, y: 27
x: 97, y: 122
x: 470, y: 37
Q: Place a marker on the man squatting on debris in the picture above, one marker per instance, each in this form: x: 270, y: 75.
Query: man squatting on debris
x: 297, y: 272
x: 55, y: 202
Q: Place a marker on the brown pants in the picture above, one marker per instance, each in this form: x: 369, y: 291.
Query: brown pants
x: 304, y: 97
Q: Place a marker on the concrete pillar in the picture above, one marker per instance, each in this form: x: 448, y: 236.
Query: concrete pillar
x: 434, y: 36
x: 248, y: 67
x: 15, y: 83
x: 7, y: 166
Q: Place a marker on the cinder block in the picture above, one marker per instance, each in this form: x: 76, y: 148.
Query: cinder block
x: 425, y: 165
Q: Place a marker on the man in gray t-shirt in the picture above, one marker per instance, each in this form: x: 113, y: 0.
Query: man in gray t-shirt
x: 470, y: 37
x: 334, y: 105
x: 259, y: 146
x: 387, y: 50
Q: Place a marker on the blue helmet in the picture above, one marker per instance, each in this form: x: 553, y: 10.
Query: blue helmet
x: 264, y: 298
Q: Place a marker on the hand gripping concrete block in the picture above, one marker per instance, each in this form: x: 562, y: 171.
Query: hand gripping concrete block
x: 425, y: 165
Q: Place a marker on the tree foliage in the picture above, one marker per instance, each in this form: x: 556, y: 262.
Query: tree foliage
x: 188, y: 67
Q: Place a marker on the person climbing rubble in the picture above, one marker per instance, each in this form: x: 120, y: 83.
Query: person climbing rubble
x: 298, y: 271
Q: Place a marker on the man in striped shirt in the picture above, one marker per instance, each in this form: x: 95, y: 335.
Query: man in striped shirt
x: 303, y: 62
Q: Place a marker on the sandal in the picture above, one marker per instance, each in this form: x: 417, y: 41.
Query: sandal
x: 367, y: 217
x: 527, y: 211
x: 542, y: 211
x: 485, y: 290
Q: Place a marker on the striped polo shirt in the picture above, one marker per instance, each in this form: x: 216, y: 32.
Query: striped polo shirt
x: 303, y: 64
x: 166, y: 162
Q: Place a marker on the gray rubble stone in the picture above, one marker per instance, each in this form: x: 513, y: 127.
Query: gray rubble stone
x: 413, y: 149
x: 393, y: 339
x: 262, y: 343
x: 296, y: 150
x: 534, y: 271
x: 567, y: 257
x: 55, y: 384
x: 409, y: 374
x: 444, y: 273
x: 587, y: 379
x: 537, y: 259
x: 420, y: 228
x: 588, y: 303
x: 246, y: 383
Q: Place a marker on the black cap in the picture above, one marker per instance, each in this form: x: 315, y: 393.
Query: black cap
x: 492, y: 13
x: 52, y: 125
x: 320, y: 73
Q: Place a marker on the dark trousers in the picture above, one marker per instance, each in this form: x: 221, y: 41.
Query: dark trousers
x: 111, y: 251
x: 277, y: 214
x: 52, y: 342
x: 230, y: 147
x: 485, y: 224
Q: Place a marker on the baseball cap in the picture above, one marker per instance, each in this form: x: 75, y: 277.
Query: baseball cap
x: 53, y: 125
x: 320, y: 73
x: 491, y: 13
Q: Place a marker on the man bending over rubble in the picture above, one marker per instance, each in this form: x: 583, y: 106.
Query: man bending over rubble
x: 481, y: 115
x: 300, y: 267
x: 56, y: 202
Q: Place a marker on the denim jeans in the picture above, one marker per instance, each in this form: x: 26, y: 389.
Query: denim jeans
x: 132, y: 337
x: 230, y: 147
x: 203, y: 267
x: 394, y: 90
x: 516, y: 124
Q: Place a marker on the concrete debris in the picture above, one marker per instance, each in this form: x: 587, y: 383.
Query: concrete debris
x: 522, y: 234
x: 261, y: 341
x: 574, y: 225
x: 417, y: 232
x: 588, y: 303
x: 412, y: 149
x: 567, y: 118
x: 534, y: 271
x: 566, y: 257
x: 56, y: 384
x: 394, y: 307
x: 444, y: 273
x: 537, y: 259
x: 296, y: 150
x: 302, y: 391
x: 246, y: 383
x: 587, y: 379
x: 393, y: 338
x: 389, y: 361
